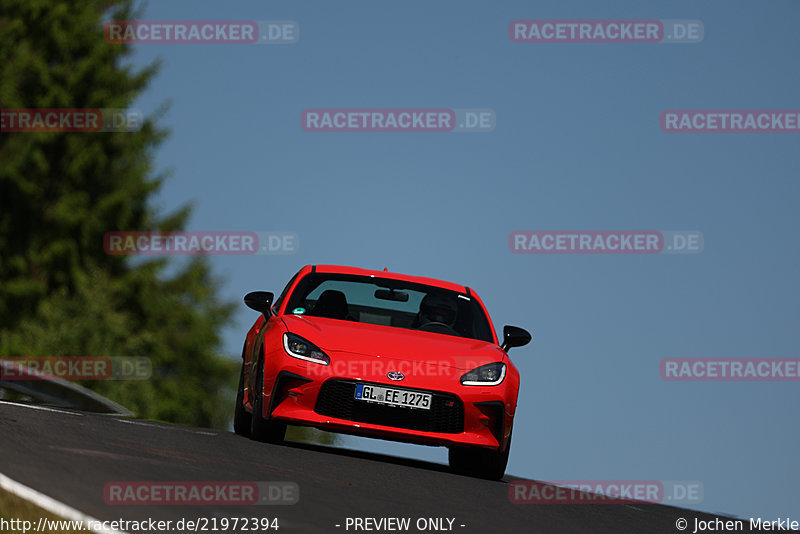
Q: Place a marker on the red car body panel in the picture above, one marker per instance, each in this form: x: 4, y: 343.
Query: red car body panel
x: 361, y: 352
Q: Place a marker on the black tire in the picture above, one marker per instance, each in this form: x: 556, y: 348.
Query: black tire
x: 241, y: 419
x: 477, y: 462
x: 263, y: 429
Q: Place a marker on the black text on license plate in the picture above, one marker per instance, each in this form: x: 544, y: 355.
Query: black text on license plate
x: 393, y: 397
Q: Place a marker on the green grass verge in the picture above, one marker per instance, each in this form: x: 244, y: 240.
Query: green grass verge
x: 15, y: 508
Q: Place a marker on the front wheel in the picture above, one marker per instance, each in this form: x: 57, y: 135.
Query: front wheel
x: 241, y: 419
x: 481, y: 463
x: 263, y: 429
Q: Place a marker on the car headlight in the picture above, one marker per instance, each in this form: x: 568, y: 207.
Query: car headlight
x: 302, y: 349
x: 490, y: 374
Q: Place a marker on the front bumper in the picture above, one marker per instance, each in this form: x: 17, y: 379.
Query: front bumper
x: 314, y: 395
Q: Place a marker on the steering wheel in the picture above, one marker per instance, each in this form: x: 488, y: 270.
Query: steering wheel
x: 437, y: 328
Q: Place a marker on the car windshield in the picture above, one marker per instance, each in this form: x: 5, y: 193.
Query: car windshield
x: 388, y: 302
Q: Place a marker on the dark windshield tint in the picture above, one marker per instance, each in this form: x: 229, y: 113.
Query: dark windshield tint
x: 387, y: 302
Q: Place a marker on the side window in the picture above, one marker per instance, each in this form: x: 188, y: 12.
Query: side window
x: 480, y: 326
x: 278, y: 302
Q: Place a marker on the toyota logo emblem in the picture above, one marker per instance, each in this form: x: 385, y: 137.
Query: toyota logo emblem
x: 395, y: 375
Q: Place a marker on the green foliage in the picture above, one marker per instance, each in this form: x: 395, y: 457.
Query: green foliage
x: 60, y: 293
x: 311, y: 435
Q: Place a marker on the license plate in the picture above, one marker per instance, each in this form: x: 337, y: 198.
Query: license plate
x: 393, y: 397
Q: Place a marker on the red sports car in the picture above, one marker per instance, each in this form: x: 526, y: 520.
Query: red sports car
x: 383, y: 355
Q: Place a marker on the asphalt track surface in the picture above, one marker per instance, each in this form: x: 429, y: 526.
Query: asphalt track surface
x: 71, y: 456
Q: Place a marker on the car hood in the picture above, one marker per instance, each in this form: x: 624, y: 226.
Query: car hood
x: 400, y: 344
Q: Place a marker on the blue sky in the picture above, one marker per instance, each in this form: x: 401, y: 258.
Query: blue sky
x: 577, y: 146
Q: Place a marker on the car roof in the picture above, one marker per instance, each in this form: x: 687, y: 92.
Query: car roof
x: 343, y: 269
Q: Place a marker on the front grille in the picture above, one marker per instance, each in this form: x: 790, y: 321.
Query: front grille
x: 337, y: 399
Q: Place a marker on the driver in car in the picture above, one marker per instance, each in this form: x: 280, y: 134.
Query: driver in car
x: 437, y: 313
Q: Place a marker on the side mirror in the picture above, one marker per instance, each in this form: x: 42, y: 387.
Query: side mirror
x: 514, y: 336
x: 260, y: 301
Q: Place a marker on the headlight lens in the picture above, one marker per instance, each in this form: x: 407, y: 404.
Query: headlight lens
x: 302, y: 349
x: 490, y: 374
